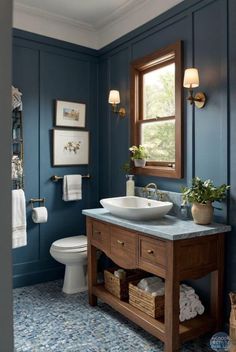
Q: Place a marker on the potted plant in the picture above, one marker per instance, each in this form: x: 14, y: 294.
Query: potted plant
x: 201, y: 195
x: 139, y: 155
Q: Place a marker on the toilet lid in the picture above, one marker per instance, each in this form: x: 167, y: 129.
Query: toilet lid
x: 71, y: 242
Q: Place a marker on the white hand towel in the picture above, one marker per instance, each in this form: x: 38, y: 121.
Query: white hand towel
x: 19, y: 238
x: 72, y: 187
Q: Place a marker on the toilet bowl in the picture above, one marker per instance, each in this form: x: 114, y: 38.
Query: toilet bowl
x: 72, y: 252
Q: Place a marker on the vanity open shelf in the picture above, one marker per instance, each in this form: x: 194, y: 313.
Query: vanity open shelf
x: 172, y: 249
x: 187, y: 330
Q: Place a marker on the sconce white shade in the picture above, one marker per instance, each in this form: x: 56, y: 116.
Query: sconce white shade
x: 114, y: 97
x: 191, y: 78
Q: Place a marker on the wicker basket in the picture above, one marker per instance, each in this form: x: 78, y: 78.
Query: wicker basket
x: 153, y: 306
x: 118, y: 287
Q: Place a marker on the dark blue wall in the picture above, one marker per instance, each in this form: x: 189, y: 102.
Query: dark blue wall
x: 208, y: 31
x: 45, y: 70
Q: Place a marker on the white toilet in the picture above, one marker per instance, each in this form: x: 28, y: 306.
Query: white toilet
x: 72, y: 251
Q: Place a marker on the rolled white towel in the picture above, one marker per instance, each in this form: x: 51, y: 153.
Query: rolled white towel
x: 184, y: 302
x: 182, y: 295
x: 181, y: 317
x: 187, y: 289
x: 200, y: 309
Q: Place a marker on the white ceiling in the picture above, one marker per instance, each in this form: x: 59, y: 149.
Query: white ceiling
x: 92, y: 23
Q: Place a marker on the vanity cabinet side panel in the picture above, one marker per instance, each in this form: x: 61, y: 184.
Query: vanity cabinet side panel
x: 197, y: 256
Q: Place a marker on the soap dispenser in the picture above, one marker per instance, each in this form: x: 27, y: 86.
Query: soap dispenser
x: 130, y: 185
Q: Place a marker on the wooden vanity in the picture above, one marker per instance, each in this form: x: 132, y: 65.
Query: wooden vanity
x: 174, y: 260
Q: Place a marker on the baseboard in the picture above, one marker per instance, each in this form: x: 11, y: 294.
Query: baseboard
x: 38, y: 277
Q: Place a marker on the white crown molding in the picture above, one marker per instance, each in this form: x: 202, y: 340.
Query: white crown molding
x: 126, y: 18
x: 57, y: 29
x: 134, y: 18
x: 119, y: 12
x: 30, y: 10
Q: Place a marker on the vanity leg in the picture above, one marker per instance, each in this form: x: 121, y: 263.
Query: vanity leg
x: 92, y: 273
x: 217, y: 285
x: 172, y: 304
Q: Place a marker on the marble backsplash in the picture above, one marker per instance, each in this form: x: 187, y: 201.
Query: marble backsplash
x: 181, y: 211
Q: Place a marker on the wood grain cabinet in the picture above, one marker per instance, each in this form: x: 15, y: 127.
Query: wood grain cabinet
x: 174, y: 261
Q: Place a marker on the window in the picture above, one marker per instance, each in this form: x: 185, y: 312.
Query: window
x: 156, y: 111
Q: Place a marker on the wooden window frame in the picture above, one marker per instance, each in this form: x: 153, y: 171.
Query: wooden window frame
x: 138, y: 68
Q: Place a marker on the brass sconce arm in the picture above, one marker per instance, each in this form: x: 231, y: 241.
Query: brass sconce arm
x: 199, y: 99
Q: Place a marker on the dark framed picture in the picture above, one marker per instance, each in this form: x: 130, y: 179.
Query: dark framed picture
x: 70, y: 147
x: 70, y: 114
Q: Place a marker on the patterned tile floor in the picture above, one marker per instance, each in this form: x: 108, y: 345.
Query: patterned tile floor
x: 47, y: 320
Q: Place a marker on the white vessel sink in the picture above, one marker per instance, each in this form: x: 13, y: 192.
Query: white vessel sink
x: 136, y: 208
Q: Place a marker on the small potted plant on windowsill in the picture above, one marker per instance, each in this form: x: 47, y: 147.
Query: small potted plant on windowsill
x: 139, y: 155
x: 201, y: 195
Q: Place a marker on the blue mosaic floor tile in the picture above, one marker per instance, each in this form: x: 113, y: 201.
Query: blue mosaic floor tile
x: 47, y: 320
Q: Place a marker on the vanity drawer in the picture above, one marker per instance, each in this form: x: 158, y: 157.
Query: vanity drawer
x: 124, y: 246
x: 100, y: 236
x: 152, y: 251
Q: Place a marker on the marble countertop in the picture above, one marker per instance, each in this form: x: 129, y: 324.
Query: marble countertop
x: 169, y: 227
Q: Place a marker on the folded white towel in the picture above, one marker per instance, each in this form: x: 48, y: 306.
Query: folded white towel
x: 72, y: 187
x: 19, y: 237
x: 145, y: 283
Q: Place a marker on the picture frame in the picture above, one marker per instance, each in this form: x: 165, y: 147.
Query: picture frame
x: 70, y: 114
x: 70, y: 147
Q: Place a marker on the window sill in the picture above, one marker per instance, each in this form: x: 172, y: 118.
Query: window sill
x: 161, y: 171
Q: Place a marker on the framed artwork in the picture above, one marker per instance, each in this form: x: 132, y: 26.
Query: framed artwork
x: 70, y: 147
x: 69, y: 114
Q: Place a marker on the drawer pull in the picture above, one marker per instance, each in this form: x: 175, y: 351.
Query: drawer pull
x: 97, y: 232
x: 120, y: 242
x: 150, y: 251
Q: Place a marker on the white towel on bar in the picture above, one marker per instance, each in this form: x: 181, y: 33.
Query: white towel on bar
x: 19, y: 237
x: 72, y: 187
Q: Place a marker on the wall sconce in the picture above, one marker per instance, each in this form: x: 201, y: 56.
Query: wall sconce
x: 114, y: 100
x: 191, y: 80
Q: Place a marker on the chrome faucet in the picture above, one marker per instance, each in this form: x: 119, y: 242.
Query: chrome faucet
x: 161, y: 195
x: 147, y: 191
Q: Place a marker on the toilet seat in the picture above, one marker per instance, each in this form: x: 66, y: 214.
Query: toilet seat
x: 74, y: 243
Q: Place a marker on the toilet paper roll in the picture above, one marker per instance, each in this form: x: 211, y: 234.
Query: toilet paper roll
x: 39, y: 215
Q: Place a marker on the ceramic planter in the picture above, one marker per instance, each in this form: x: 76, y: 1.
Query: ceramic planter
x: 202, y: 213
x: 139, y: 162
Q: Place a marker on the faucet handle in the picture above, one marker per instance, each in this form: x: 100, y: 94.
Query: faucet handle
x: 161, y: 195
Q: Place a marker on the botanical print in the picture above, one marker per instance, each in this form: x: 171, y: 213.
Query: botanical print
x: 70, y: 147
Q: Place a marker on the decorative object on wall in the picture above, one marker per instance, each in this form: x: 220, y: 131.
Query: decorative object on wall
x: 114, y: 100
x: 70, y: 147
x: 191, y: 80
x: 70, y: 114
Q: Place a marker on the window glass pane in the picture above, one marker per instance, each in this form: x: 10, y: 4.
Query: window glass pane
x: 159, y: 92
x: 159, y: 139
